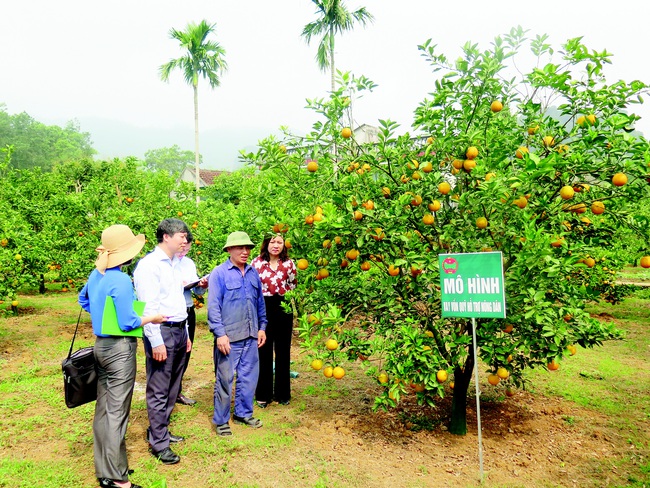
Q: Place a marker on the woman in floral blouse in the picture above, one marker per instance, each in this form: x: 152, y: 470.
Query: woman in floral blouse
x: 278, y: 275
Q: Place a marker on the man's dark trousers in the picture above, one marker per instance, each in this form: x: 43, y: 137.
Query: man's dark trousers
x: 163, y: 383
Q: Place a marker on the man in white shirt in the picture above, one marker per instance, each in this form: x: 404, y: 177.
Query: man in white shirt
x: 190, y: 275
x: 159, y: 283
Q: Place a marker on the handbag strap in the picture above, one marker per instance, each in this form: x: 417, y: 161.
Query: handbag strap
x: 75, y: 333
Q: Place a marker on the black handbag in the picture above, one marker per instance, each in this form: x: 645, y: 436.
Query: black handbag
x: 79, y: 374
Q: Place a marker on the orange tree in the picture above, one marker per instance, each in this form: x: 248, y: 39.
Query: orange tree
x: 541, y: 166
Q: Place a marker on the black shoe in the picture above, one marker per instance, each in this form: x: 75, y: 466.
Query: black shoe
x: 285, y: 402
x: 166, y: 456
x: 183, y: 400
x: 108, y: 483
x: 262, y: 404
x: 172, y: 438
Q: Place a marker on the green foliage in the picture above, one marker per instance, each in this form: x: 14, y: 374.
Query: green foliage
x: 382, y: 200
x: 170, y: 159
x: 36, y: 145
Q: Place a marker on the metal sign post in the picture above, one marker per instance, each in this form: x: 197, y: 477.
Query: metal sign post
x: 472, y: 286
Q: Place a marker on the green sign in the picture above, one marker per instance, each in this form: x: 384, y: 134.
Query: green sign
x: 471, y: 285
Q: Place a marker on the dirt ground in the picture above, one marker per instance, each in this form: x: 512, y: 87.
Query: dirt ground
x: 336, y: 439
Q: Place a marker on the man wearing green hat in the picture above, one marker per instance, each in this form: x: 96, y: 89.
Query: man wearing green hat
x: 237, y: 318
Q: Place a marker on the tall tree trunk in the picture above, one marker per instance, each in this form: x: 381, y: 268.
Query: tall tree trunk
x: 197, y: 176
x: 333, y: 69
x: 462, y: 377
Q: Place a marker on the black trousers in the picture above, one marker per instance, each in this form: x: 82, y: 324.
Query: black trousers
x: 191, y: 328
x: 278, y: 338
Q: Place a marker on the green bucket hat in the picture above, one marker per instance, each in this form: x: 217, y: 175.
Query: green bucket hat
x: 238, y: 239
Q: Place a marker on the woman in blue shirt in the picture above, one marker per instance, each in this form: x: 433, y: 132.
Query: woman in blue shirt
x: 114, y: 355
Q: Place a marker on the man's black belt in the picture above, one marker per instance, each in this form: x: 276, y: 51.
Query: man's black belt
x: 174, y: 324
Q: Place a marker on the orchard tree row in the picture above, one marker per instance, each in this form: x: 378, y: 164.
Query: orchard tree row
x: 540, y: 165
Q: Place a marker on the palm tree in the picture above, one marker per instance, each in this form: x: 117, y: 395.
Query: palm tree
x: 334, y: 18
x: 204, y: 58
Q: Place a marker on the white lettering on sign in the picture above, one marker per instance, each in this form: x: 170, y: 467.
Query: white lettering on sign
x: 482, y: 285
x: 454, y: 285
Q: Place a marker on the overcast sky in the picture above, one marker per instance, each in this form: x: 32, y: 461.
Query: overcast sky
x: 97, y: 62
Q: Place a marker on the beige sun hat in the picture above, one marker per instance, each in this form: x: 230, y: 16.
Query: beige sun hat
x: 238, y: 239
x: 119, y: 245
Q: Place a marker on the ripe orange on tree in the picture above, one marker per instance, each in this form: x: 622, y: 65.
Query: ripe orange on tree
x: 428, y: 219
x: 302, y: 264
x: 597, y: 208
x: 444, y: 188
x: 385, y: 191
x: 435, y: 206
x: 416, y: 201
x: 312, y: 166
x: 619, y: 179
x: 481, y: 222
x: 590, y: 262
x: 383, y: 378
x: 496, y: 106
x: 493, y: 379
x: 368, y: 205
x: 441, y: 376
x: 309, y: 220
x: 328, y: 372
x: 365, y: 266
x: 332, y: 345
x: 567, y: 192
x: 346, y: 132
x: 503, y: 373
x: 471, y: 153
x: 572, y: 349
x: 322, y: 274
x: 392, y: 270
x: 532, y: 129
x: 469, y: 165
x: 316, y: 364
x: 357, y: 215
x: 645, y: 262
x: 553, y: 365
x: 352, y: 254
x: 548, y: 141
x: 558, y: 242
x: 521, y: 152
x: 521, y: 202
x: 338, y: 372
x: 426, y: 167
x: 457, y: 163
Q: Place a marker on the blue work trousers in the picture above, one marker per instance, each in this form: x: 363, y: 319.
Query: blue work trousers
x: 244, y: 361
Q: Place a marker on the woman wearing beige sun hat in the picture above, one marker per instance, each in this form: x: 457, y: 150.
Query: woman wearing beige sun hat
x: 114, y: 355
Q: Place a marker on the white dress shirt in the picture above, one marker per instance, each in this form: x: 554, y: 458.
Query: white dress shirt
x: 190, y: 275
x: 159, y: 283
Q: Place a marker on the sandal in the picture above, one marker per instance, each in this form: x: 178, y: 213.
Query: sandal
x: 223, y: 430
x: 262, y: 404
x: 250, y: 421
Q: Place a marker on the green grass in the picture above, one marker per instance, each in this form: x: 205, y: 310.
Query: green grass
x: 611, y: 380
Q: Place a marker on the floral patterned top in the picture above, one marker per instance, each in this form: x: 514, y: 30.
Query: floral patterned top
x: 278, y: 281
